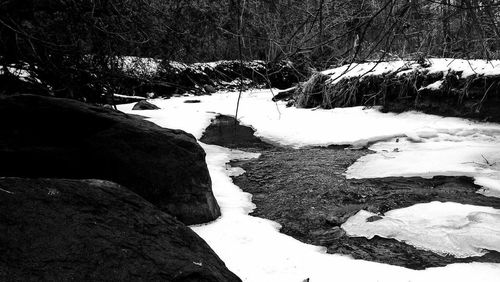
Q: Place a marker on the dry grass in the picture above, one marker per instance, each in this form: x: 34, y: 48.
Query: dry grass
x: 458, y: 96
x: 310, y: 93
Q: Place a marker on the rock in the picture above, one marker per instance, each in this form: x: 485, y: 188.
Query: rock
x: 226, y: 131
x: 60, y: 138
x: 374, y: 218
x: 94, y: 230
x: 209, y: 88
x: 192, y: 101
x: 327, y: 237
x: 334, y: 220
x: 144, y: 105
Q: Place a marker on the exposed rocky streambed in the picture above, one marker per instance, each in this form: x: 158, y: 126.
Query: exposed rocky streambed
x: 305, y: 190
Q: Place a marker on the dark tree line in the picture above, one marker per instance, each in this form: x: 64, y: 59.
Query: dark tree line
x: 73, y: 46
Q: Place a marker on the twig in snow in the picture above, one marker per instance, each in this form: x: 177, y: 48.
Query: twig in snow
x: 488, y: 162
x: 485, y: 164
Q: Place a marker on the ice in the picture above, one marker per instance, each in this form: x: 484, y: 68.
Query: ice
x: 475, y: 154
x: 252, y: 247
x: 491, y: 185
x: 445, y: 228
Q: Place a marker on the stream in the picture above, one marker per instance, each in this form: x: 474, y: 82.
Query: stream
x: 306, y: 191
x: 287, y: 195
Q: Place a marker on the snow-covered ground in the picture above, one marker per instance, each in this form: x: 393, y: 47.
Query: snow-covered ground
x: 151, y: 66
x: 416, y: 144
x: 254, y: 249
x: 401, y: 67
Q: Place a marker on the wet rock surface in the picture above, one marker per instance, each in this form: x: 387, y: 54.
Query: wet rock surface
x: 60, y: 138
x: 225, y: 131
x: 94, y: 230
x: 144, y: 105
x: 305, y: 190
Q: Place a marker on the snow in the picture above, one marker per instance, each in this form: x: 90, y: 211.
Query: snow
x: 437, y: 65
x: 467, y: 67
x: 213, y: 65
x: 304, y: 127
x: 367, y: 69
x: 474, y: 153
x: 416, y: 144
x: 252, y: 247
x: 433, y: 86
x: 151, y: 66
x: 21, y: 73
x: 445, y: 228
x: 140, y: 65
x: 491, y: 185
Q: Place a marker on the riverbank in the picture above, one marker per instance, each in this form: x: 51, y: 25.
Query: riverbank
x: 447, y: 87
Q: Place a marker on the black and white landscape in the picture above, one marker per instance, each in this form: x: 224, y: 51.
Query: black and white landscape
x: 248, y: 140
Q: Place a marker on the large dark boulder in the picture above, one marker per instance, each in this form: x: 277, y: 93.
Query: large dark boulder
x: 60, y: 138
x: 94, y: 230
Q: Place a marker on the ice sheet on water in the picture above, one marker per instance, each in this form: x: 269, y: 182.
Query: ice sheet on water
x: 474, y: 153
x: 445, y: 228
x: 491, y: 185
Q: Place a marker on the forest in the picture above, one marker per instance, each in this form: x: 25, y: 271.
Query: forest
x: 74, y: 47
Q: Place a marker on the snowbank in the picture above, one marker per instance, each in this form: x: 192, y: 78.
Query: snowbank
x: 465, y: 68
x: 444, y: 228
x: 449, y: 87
